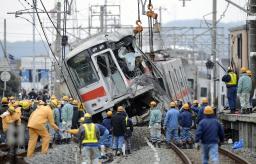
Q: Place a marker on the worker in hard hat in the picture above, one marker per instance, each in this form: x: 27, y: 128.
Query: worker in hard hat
x: 201, y: 109
x: 11, y: 99
x: 25, y: 114
x: 249, y: 73
x: 195, y: 108
x: 210, y: 133
x: 3, y: 109
x: 66, y: 117
x: 128, y: 134
x: 244, y: 90
x: 9, y: 117
x: 89, y: 134
x: 77, y: 114
x: 155, y: 119
x: 171, y: 124
x: 185, y: 121
x: 107, y: 123
x: 57, y: 120
x: 36, y: 125
x: 118, y: 130
x: 230, y: 80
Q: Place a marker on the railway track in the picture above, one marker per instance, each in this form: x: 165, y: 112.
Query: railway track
x: 6, y: 158
x: 193, y: 156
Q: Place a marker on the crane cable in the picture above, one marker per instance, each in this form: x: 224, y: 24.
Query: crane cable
x: 138, y: 29
x: 151, y: 15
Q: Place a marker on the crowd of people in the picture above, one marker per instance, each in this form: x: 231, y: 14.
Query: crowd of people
x: 58, y: 121
x: 178, y: 121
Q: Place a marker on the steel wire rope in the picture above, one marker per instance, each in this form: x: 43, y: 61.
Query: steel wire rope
x: 140, y: 33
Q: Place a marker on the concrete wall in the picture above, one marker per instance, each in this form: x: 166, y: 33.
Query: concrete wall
x: 245, y: 125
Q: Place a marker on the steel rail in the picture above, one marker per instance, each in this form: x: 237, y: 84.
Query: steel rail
x: 233, y: 156
x: 181, y: 154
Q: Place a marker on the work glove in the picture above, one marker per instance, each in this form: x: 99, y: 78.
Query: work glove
x: 149, y: 127
x: 197, y: 146
x: 5, y: 114
x: 64, y: 123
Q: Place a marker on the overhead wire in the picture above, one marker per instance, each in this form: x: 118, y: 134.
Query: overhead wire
x: 45, y: 35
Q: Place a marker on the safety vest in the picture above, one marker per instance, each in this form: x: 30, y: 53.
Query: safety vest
x: 90, y: 133
x: 233, y: 79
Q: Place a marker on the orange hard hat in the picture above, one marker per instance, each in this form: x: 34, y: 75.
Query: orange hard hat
x: 172, y: 104
x: 109, y: 113
x: 208, y: 110
x: 243, y: 69
x: 185, y: 106
x: 249, y: 73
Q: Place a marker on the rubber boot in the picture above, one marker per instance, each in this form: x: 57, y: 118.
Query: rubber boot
x: 250, y: 110
x: 159, y: 145
x: 154, y: 144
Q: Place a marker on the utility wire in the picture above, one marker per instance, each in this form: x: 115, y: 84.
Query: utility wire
x: 50, y: 18
x: 41, y: 25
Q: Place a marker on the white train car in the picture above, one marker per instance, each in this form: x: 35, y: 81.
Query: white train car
x: 110, y: 70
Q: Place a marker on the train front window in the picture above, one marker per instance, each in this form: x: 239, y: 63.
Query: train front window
x: 83, y: 69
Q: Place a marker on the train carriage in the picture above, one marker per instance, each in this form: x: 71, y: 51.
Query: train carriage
x: 108, y: 70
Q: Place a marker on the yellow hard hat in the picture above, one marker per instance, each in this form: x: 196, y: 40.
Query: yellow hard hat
x: 54, y: 103
x: 87, y: 116
x: 204, y: 100
x: 65, y: 98
x: 75, y: 102
x: 249, y: 73
x: 4, y: 100
x: 152, y: 103
x: 172, y: 104
x: 195, y: 102
x: 120, y: 109
x: 25, y: 105
x: 185, y: 106
x: 11, y: 109
x: 243, y: 69
x: 81, y: 119
x: 208, y: 110
x: 109, y: 113
x: 53, y: 97
x: 16, y: 103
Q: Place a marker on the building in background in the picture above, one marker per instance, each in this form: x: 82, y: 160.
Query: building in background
x: 43, y: 73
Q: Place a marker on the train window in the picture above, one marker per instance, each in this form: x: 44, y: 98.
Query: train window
x: 203, y: 92
x: 83, y: 69
x: 106, y: 64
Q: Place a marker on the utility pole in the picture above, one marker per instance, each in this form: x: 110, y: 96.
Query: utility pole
x: 58, y: 36
x: 33, y: 49
x: 5, y: 46
x: 252, y: 40
x: 214, y: 47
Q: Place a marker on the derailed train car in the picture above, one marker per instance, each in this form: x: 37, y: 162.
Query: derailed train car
x: 110, y: 70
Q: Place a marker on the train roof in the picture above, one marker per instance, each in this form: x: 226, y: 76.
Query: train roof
x: 98, y: 39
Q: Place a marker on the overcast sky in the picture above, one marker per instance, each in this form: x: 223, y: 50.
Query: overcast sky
x: 19, y: 29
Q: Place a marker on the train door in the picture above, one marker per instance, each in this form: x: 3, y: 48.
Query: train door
x: 110, y: 72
